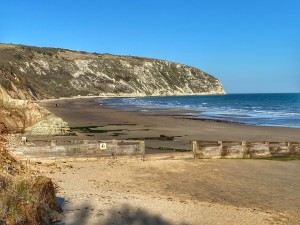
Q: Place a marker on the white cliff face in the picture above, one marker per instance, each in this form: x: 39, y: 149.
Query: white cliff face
x: 26, y: 116
x: 50, y: 125
x: 39, y: 73
x: 152, y: 77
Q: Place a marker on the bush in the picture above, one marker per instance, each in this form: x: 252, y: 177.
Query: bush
x: 18, y: 57
x: 26, y: 200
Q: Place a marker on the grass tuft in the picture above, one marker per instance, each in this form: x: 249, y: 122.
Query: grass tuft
x: 24, y: 200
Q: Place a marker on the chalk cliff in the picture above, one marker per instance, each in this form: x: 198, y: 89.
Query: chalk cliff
x: 38, y: 73
x: 26, y: 116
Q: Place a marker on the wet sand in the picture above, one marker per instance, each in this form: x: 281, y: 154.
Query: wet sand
x: 119, y: 124
x: 179, y: 191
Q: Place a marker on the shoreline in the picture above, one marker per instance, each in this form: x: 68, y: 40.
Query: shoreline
x: 255, y: 116
x: 183, y: 113
x: 87, y: 112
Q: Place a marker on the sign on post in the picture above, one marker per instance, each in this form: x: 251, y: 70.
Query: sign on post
x: 102, y: 146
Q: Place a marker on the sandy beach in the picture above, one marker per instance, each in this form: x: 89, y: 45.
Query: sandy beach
x: 172, y: 191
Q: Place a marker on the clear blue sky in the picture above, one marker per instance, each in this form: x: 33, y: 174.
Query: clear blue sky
x: 250, y: 45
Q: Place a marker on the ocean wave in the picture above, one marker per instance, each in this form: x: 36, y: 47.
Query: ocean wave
x: 259, y: 109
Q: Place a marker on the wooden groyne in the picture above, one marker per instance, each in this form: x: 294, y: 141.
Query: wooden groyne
x: 136, y: 149
x: 82, y: 149
x: 243, y: 149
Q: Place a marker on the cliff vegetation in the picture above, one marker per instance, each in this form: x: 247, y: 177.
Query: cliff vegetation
x: 41, y: 73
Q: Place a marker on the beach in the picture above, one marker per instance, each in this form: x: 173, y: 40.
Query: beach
x: 240, y: 191
x: 121, y: 124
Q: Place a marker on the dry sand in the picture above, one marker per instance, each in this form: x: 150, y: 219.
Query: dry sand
x: 178, y: 191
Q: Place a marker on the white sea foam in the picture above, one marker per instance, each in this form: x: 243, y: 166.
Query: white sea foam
x: 260, y: 109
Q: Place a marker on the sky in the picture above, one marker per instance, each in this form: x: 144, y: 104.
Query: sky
x: 251, y: 46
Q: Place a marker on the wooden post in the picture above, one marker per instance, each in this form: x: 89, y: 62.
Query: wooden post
x: 221, y: 149
x: 142, y: 149
x: 245, y: 150
x: 114, y: 144
x: 268, y: 144
x: 53, y: 143
x: 24, y: 140
x: 289, y: 149
x: 195, y: 148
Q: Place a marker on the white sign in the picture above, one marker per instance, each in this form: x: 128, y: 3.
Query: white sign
x: 102, y: 146
x: 24, y: 139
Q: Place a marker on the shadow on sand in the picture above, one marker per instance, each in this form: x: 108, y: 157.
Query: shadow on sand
x: 123, y: 215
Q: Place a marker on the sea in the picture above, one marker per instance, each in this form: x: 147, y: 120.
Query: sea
x: 282, y: 110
